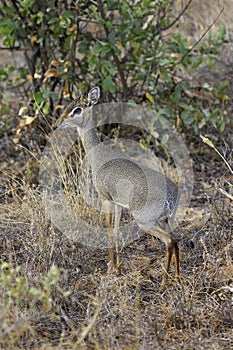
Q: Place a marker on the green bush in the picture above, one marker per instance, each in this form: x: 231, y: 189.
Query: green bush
x: 17, y: 293
x: 133, y: 51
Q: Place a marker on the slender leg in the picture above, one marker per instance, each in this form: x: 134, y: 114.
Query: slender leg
x: 118, y: 258
x: 169, y: 254
x: 116, y: 232
x: 177, y: 261
x: 108, y: 217
x: 171, y: 247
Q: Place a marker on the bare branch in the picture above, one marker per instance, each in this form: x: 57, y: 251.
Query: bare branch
x: 201, y: 37
x: 179, y: 16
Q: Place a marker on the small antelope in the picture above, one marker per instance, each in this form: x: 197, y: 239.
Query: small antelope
x: 151, y: 197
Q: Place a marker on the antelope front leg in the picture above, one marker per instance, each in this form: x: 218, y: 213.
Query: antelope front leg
x: 116, y: 233
x: 172, y: 248
x: 177, y: 261
x: 108, y: 217
x: 167, y: 266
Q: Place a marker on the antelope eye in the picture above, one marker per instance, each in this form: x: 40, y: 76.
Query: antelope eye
x: 77, y: 110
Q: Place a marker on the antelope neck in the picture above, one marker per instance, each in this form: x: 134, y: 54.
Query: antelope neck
x: 89, y: 138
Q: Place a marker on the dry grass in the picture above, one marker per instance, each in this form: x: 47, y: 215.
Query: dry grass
x: 62, y: 298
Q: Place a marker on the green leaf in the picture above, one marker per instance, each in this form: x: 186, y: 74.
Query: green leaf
x: 9, y: 11
x: 108, y: 84
x: 165, y: 139
x: 209, y: 61
x: 197, y: 62
x: 177, y: 94
x: 223, y: 86
x: 222, y: 33
x: 187, y: 118
x: 9, y: 41
x: 154, y: 134
x: 64, y: 22
x: 184, y: 85
x: 164, y: 111
x: 108, y: 67
x: 53, y: 20
x: 39, y: 100
x: 164, y: 62
x: 150, y: 97
x: 102, y: 48
x: 222, y: 124
x: 39, y: 17
x: 26, y: 3
x: 116, y: 50
x: 68, y: 13
x: 206, y: 112
x: 7, y: 26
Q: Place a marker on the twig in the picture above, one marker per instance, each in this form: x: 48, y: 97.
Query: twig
x: 90, y: 325
x: 210, y: 144
x: 201, y: 37
x: 178, y: 17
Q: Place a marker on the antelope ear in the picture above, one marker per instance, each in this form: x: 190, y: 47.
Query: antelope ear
x: 93, y: 96
x: 75, y: 93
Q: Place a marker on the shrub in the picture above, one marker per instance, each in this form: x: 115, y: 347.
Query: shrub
x: 133, y: 50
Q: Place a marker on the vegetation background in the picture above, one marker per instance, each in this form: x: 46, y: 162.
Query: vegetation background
x: 175, y: 57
